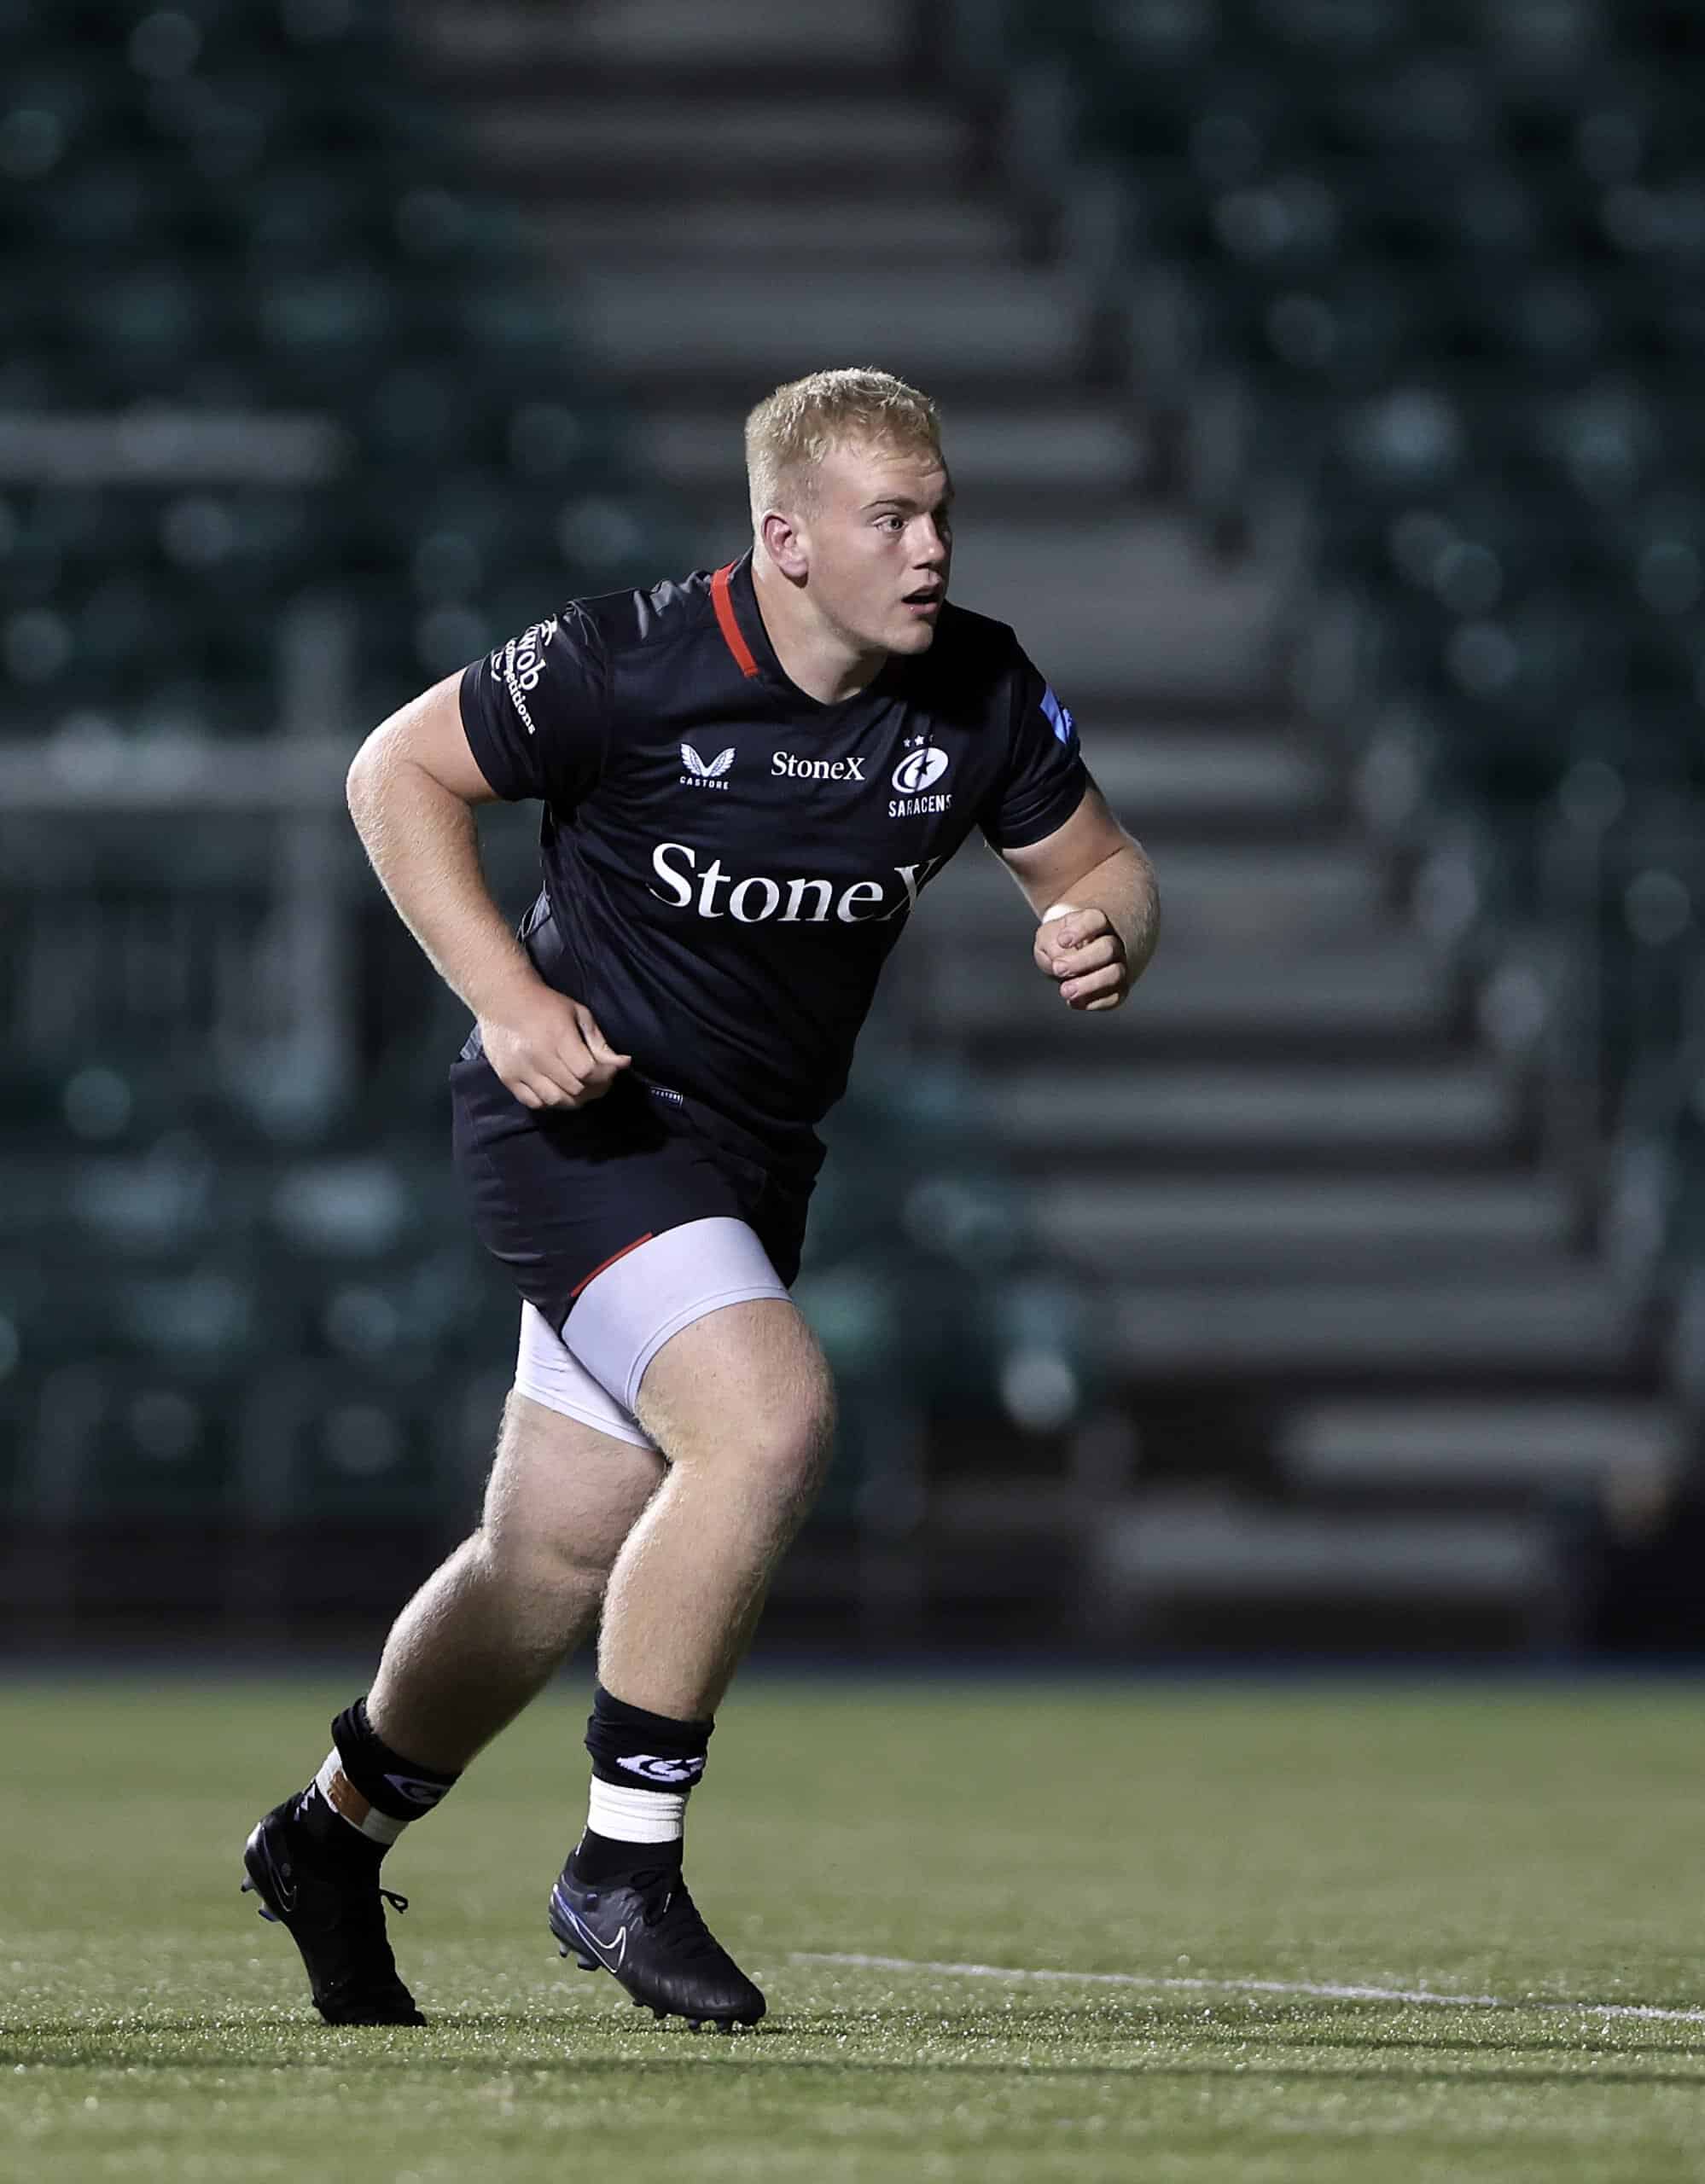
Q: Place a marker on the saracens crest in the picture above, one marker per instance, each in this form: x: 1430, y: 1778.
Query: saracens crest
x: 918, y: 772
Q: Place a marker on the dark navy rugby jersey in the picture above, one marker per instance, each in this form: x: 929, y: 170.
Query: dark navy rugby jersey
x: 727, y: 860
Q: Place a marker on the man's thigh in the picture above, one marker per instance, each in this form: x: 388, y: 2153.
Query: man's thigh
x: 635, y: 1307
x: 749, y: 1376
x: 559, y: 1486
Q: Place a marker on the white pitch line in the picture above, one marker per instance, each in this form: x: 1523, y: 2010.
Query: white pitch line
x: 1319, y: 1991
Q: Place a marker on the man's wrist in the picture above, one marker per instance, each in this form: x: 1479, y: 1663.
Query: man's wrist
x: 506, y: 993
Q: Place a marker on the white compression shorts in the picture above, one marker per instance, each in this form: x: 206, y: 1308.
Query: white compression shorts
x: 623, y: 1317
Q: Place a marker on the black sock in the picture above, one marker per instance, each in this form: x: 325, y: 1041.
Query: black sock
x: 639, y: 1759
x: 600, y: 1858
x: 639, y: 1751
x: 365, y: 1794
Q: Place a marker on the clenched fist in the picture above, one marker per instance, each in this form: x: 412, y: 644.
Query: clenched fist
x: 550, y: 1053
x: 1080, y: 950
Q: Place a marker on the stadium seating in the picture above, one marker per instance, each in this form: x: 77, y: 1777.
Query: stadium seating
x: 1430, y: 272
x: 235, y: 1284
x: 1438, y: 267
x: 220, y: 227
x: 247, y: 208
x: 1449, y: 256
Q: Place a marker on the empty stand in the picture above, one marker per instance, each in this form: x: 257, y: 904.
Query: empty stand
x: 1256, y: 1313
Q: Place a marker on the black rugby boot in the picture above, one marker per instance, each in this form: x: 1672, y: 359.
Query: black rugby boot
x: 646, y: 1931
x: 331, y: 1908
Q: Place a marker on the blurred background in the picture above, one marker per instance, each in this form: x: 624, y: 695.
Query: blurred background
x: 1321, y: 379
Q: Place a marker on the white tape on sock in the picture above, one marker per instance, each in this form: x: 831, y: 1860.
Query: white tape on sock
x: 348, y: 1803
x: 625, y: 1815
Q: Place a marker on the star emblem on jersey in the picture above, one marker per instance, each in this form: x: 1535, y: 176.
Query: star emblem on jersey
x: 703, y: 773
x: 918, y: 772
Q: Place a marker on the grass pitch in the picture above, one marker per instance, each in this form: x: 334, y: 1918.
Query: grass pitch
x: 1538, y: 1848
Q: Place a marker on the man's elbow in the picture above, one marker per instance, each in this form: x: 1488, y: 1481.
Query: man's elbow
x: 421, y: 751
x: 360, y: 782
x: 1148, y: 910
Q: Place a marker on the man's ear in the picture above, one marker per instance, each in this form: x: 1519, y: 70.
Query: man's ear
x: 785, y: 545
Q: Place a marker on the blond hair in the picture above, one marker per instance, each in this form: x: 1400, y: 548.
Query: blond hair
x: 791, y: 430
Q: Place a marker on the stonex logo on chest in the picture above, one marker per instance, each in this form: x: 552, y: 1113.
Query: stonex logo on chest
x: 758, y: 899
x: 785, y: 767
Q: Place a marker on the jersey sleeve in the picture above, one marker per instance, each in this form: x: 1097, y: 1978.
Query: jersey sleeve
x: 536, y: 712
x: 1044, y: 776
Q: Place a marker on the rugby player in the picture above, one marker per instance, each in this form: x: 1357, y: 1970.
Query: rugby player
x: 749, y: 777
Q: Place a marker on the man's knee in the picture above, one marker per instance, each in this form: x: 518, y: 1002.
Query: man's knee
x: 561, y: 1499
x: 787, y: 1446
x: 756, y: 1395
x: 539, y: 1558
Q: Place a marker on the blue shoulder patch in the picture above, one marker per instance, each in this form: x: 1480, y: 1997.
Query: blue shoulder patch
x: 1063, y: 724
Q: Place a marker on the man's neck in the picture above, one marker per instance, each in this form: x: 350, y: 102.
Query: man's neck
x: 816, y: 658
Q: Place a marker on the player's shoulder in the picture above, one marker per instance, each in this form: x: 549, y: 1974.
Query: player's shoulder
x: 649, y: 618
x: 968, y: 635
x: 971, y: 667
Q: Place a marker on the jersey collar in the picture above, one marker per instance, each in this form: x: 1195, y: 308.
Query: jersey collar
x: 728, y: 617
x: 735, y: 598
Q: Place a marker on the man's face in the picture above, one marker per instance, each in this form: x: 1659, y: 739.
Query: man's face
x: 880, y: 546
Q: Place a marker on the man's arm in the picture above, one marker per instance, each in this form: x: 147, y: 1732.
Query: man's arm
x: 412, y: 788
x: 1094, y: 891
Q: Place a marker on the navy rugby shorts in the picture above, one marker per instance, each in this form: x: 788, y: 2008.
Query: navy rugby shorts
x: 559, y: 1194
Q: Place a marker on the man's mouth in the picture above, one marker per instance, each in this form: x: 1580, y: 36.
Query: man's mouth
x: 929, y: 594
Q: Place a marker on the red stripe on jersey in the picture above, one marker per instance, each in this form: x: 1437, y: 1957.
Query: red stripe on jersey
x: 731, y: 635
x: 611, y: 1261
